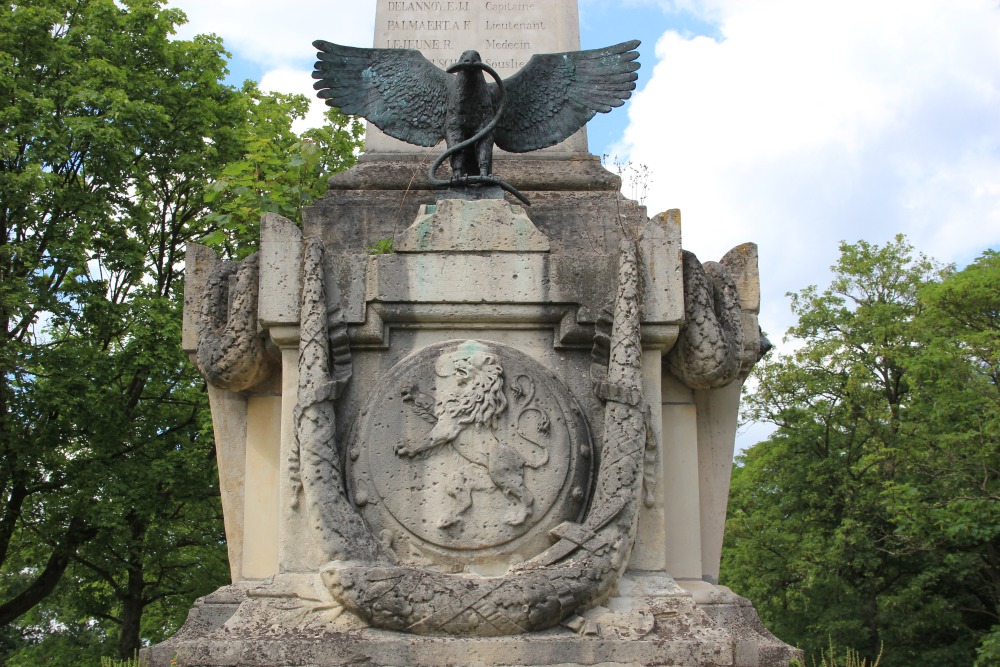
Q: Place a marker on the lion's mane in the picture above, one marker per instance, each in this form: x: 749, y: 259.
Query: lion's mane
x: 483, y: 401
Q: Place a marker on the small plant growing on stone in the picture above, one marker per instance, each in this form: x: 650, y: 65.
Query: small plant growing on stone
x: 380, y: 247
x: 635, y: 180
x: 128, y: 662
x: 852, y: 659
x: 636, y: 177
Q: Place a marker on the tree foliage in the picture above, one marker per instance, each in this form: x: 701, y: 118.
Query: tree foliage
x: 113, y: 139
x: 870, y: 515
x: 278, y: 172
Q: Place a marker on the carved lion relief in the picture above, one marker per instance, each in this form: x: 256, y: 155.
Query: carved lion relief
x: 469, y: 450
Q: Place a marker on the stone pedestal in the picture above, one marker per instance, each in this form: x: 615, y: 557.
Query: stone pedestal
x: 507, y: 442
x: 657, y: 623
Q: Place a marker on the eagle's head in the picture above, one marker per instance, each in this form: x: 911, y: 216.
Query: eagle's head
x: 467, y: 61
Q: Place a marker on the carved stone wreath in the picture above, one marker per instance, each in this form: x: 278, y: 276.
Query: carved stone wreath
x: 584, y: 560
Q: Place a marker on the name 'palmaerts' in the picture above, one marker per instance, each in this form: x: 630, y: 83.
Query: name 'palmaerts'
x: 429, y: 25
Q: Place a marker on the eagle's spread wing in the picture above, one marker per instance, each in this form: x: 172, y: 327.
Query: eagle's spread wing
x: 398, y: 90
x: 555, y: 94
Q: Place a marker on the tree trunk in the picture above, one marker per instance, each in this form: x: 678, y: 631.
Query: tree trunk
x: 133, y: 604
x: 130, y: 638
x: 76, y: 534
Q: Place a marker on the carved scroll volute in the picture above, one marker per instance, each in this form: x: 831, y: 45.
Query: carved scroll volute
x: 231, y: 347
x: 720, y: 340
x: 742, y: 262
x: 709, y: 348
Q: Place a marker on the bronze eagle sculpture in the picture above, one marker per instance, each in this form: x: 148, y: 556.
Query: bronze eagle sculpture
x: 408, y: 97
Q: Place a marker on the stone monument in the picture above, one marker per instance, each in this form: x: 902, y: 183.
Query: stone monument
x: 507, y: 442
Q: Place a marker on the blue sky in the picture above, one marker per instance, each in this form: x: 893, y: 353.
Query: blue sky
x: 794, y: 124
x: 601, y: 23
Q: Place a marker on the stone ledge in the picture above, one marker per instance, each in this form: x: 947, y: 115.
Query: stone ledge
x: 658, y: 623
x: 391, y: 171
x: 380, y: 649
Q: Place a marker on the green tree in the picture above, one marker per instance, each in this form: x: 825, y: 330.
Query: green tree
x: 831, y: 517
x: 111, y: 131
x: 949, y: 502
x: 113, y: 134
x: 279, y: 172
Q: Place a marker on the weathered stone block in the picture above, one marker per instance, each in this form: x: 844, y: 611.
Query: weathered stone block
x: 455, y: 225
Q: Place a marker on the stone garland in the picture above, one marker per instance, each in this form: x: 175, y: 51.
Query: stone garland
x: 315, y: 460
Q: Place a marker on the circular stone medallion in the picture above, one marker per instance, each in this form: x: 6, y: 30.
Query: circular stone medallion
x: 469, y: 452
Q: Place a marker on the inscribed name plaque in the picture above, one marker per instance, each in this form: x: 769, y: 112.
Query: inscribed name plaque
x: 505, y: 32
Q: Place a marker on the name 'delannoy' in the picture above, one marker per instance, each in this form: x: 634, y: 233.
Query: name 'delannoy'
x: 400, y: 6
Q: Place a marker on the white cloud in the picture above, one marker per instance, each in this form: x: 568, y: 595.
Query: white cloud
x: 278, y: 37
x: 812, y: 122
x: 276, y: 34
x: 292, y: 81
